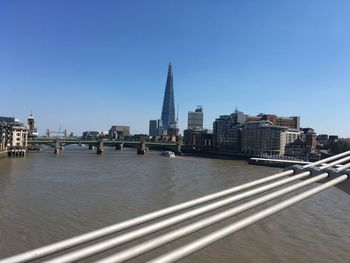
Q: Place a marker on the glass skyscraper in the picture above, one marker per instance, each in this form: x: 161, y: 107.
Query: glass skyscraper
x: 168, y: 110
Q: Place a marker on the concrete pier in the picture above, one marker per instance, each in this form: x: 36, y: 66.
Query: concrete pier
x: 178, y: 149
x: 141, y: 148
x: 100, y: 147
x: 57, y: 147
x: 16, y: 152
x: 119, y: 146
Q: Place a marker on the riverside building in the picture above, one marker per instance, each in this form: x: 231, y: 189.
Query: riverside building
x: 3, y: 146
x: 227, y: 131
x: 13, y: 136
x: 119, y: 132
x: 255, y: 135
x: 195, y: 119
x: 290, y: 122
x: 195, y: 135
x: 262, y: 137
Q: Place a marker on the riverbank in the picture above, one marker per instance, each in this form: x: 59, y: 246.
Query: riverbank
x: 251, y: 159
x: 215, y: 154
x: 274, y: 162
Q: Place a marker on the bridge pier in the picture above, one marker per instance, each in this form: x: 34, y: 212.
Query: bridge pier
x: 119, y: 146
x: 141, y: 148
x: 100, y: 147
x: 178, y: 149
x: 57, y: 147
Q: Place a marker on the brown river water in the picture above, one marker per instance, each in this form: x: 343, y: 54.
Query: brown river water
x: 46, y: 198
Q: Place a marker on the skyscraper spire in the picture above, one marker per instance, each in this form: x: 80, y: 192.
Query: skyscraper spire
x: 168, y: 110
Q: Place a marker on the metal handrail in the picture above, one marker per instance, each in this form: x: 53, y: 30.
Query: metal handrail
x: 184, y: 231
x: 194, y: 246
x: 119, y: 240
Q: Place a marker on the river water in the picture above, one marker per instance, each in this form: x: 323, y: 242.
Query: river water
x: 46, y: 198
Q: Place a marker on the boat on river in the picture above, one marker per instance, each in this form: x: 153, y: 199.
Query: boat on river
x: 168, y: 154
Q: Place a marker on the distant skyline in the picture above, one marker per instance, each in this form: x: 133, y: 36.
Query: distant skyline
x: 88, y: 65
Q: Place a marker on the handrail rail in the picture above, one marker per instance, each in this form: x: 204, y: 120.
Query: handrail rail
x: 245, y: 222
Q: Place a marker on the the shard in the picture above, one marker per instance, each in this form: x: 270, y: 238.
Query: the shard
x: 168, y: 111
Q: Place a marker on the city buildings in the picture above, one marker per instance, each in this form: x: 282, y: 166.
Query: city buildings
x: 154, y: 127
x: 8, y: 120
x: 227, y: 131
x: 308, y: 135
x: 322, y: 139
x: 118, y: 132
x: 262, y: 137
x: 298, y: 149
x: 3, y: 146
x: 195, y: 119
x: 197, y: 137
x: 292, y: 135
x: 19, y: 138
x: 91, y: 135
x: 255, y: 135
x: 32, y: 131
x: 166, y: 128
x: 289, y: 122
x: 13, y: 134
x: 333, y: 138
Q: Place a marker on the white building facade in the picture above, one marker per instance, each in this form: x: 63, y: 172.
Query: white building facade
x: 195, y: 119
x: 19, y: 137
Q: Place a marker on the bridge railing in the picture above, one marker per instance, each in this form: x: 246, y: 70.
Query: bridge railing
x: 331, y: 171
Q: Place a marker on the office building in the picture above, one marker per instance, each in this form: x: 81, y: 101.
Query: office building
x: 193, y: 137
x: 8, y: 120
x: 14, y: 135
x: 32, y: 131
x: 91, y: 135
x: 291, y: 136
x: 289, y: 122
x: 19, y: 138
x: 308, y: 135
x: 262, y: 137
x: 297, y: 149
x: 195, y: 119
x: 3, y: 141
x: 168, y: 110
x: 117, y: 132
x: 154, y: 127
x: 322, y: 139
x: 227, y: 131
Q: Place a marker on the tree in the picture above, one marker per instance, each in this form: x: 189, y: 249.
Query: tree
x: 339, y: 146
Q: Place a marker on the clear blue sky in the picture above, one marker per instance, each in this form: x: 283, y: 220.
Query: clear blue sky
x: 87, y: 65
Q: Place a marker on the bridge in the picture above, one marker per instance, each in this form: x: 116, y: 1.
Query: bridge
x: 142, y: 146
x: 330, y: 172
